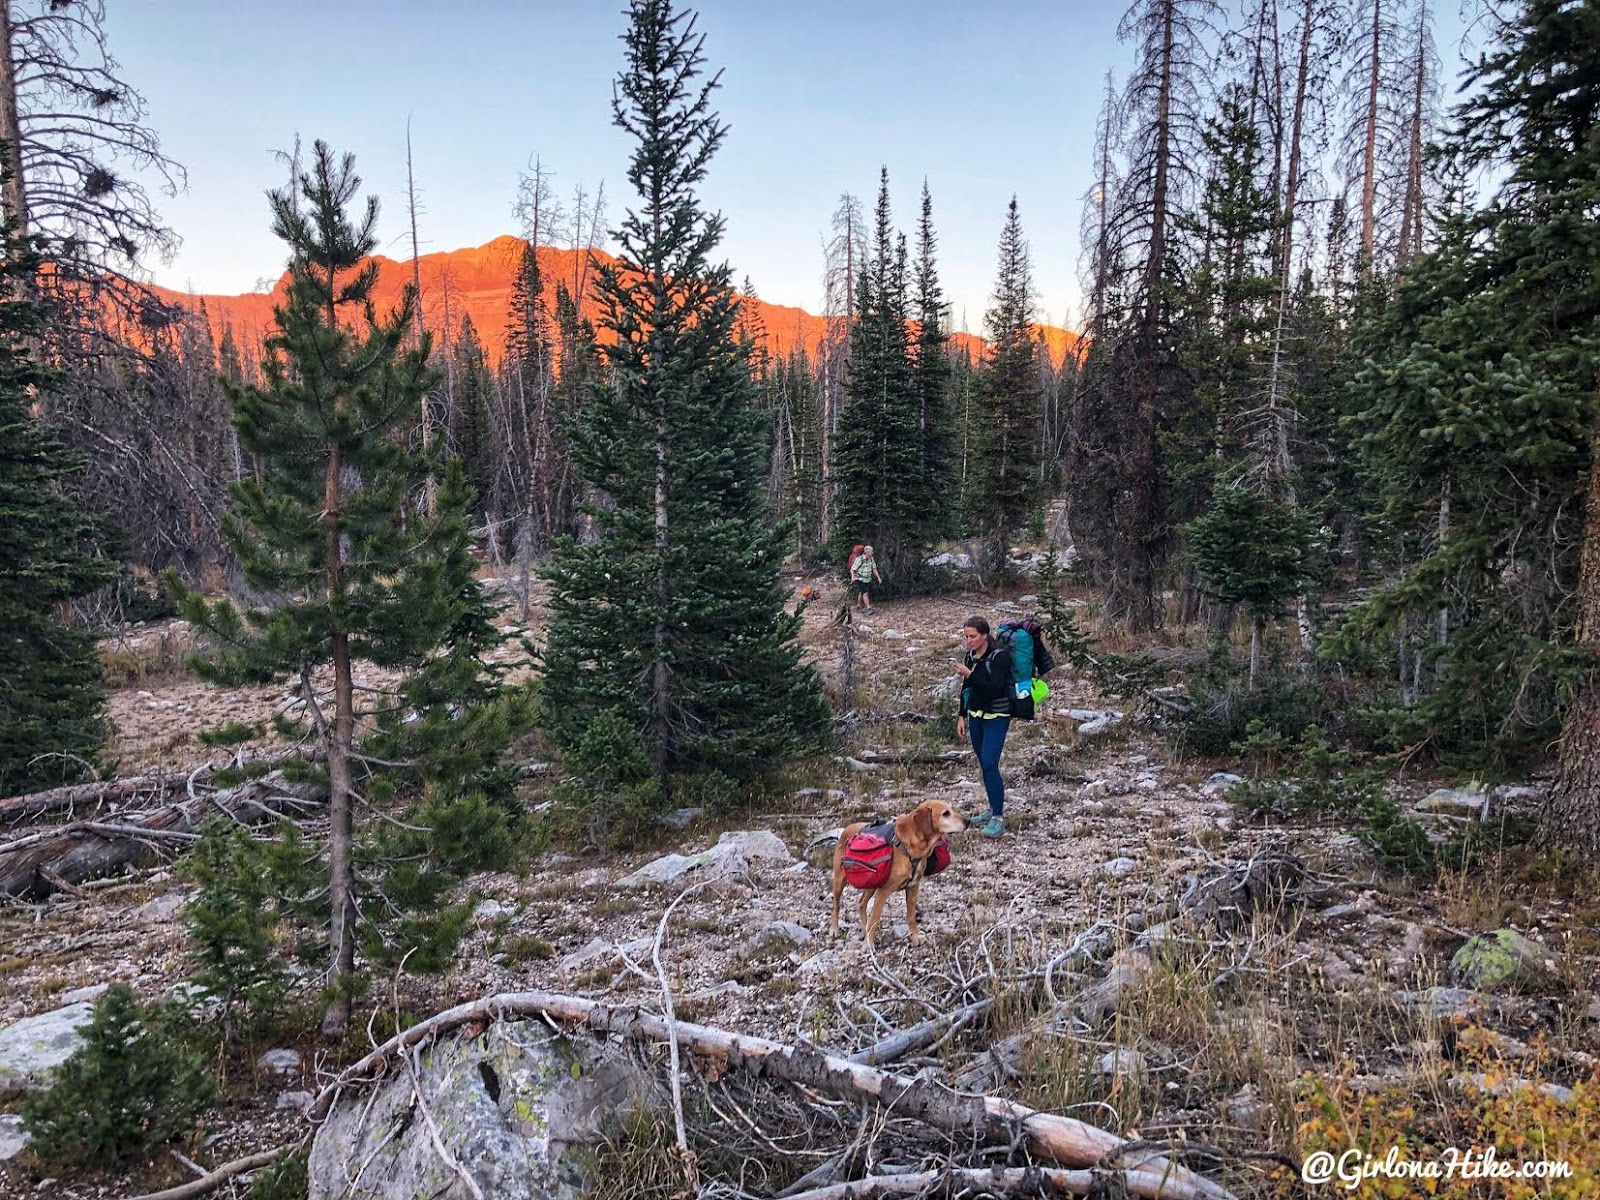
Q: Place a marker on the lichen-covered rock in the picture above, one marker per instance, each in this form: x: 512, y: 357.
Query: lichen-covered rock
x: 1500, y: 959
x: 512, y: 1106
x: 32, y: 1048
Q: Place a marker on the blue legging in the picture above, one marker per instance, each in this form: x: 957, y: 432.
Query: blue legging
x: 988, y: 736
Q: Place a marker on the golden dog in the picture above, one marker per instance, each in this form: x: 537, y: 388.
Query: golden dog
x: 915, y: 835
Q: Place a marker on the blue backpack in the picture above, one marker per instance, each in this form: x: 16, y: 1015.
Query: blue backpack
x: 1030, y: 660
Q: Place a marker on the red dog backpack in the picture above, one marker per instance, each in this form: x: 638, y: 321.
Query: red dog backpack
x: 870, y: 853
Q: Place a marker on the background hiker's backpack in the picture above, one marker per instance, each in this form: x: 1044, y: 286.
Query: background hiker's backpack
x: 869, y: 855
x: 1043, y: 661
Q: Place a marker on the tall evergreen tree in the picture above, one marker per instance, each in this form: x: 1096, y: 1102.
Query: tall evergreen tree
x: 672, y: 624
x: 471, y: 430
x: 931, y: 380
x: 329, y: 527
x: 879, y: 462
x: 538, y: 457
x: 581, y: 368
x: 1008, y: 433
x: 794, y: 486
x: 51, y: 701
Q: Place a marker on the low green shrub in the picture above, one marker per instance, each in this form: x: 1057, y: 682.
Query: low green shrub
x: 132, y: 1085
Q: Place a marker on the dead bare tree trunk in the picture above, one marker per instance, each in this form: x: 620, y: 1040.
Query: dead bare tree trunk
x: 1046, y: 1136
x: 1369, y: 153
x: 430, y: 488
x: 1411, y: 214
x: 13, y: 193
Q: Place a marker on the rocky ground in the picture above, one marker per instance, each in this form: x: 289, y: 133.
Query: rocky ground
x: 1346, y: 974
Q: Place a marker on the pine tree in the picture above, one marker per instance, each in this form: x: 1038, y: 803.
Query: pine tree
x: 673, y: 620
x: 581, y: 368
x: 537, y: 456
x: 52, y: 699
x: 794, y: 487
x: 931, y: 380
x: 471, y: 432
x: 1008, y: 433
x: 128, y: 1087
x: 232, y: 925
x: 879, y: 460
x: 1255, y: 551
x: 330, y: 527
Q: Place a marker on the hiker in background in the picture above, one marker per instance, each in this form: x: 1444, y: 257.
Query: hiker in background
x: 863, y: 570
x: 986, y: 711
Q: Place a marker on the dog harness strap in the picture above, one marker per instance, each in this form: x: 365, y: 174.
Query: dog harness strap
x: 885, y: 830
x: 916, y: 863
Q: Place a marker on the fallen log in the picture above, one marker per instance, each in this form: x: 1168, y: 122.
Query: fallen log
x: 1046, y: 1136
x: 37, y: 864
x: 102, y: 794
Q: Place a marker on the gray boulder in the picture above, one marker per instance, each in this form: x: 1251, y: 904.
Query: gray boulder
x: 1446, y: 1002
x: 599, y: 952
x: 1128, y: 971
x: 159, y: 911
x: 1119, y: 868
x: 778, y: 935
x: 1220, y: 784
x: 731, y: 857
x: 1471, y: 803
x: 284, y: 1063
x: 13, y: 1138
x: 1120, y: 1063
x: 960, y: 563
x: 516, y: 1108
x: 32, y: 1048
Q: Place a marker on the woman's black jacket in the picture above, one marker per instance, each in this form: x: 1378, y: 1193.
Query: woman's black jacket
x: 989, y: 688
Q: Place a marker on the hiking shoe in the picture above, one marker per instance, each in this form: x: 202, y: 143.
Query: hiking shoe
x: 993, y: 827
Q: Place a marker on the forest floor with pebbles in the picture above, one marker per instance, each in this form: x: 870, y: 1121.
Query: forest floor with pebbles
x: 1102, y: 836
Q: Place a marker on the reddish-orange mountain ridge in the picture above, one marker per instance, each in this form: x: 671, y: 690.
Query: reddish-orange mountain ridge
x: 476, y: 282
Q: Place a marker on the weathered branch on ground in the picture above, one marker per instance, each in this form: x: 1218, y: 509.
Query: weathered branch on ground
x: 1011, y: 1181
x: 211, y: 1182
x: 909, y: 758
x: 920, y: 1036
x: 37, y: 864
x: 1046, y: 1136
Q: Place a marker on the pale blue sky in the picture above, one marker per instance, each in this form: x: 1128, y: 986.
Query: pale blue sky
x: 984, y: 99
